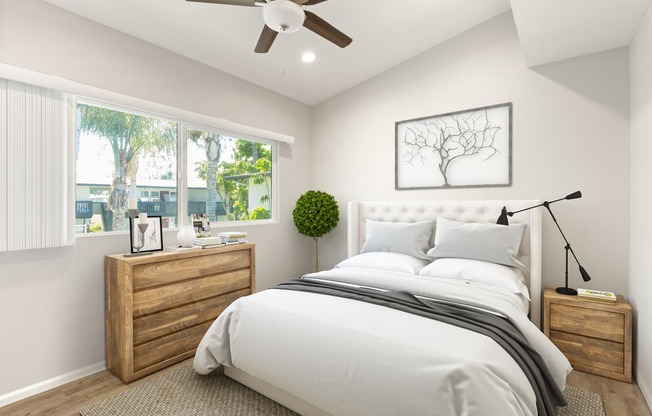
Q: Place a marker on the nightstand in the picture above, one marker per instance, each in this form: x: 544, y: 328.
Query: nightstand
x: 595, y: 337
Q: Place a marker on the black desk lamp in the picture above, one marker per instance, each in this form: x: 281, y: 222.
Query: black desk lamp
x: 504, y: 221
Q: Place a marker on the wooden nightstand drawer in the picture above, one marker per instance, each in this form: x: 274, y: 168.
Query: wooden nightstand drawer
x: 598, y: 353
x: 595, y: 337
x: 589, y: 322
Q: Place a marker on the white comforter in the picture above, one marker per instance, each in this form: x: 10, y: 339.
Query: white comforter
x: 354, y: 358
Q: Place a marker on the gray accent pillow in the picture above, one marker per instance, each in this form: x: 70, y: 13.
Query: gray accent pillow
x: 411, y: 238
x: 487, y: 242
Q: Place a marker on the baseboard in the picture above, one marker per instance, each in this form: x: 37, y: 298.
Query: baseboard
x: 57, y: 381
x: 645, y: 391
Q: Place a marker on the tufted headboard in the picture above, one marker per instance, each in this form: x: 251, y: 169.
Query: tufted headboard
x: 466, y: 211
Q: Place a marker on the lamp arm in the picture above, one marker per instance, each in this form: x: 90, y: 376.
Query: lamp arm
x: 546, y: 204
x: 511, y: 213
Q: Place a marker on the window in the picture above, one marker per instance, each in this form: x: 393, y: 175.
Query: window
x: 125, y: 154
x: 229, y: 179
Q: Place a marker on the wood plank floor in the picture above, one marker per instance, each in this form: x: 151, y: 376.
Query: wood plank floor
x: 620, y: 399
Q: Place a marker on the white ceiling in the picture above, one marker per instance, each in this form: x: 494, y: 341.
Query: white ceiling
x: 385, y: 33
x: 553, y: 30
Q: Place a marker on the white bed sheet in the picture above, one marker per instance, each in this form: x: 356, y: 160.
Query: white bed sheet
x: 353, y: 358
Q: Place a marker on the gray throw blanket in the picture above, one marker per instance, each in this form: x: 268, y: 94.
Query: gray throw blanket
x: 499, y: 328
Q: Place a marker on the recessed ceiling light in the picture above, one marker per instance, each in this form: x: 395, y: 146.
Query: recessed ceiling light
x: 308, y: 57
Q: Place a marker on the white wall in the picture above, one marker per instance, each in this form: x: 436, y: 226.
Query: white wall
x: 570, y: 132
x: 51, y: 301
x: 640, y: 281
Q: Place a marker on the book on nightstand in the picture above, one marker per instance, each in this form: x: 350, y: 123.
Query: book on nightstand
x: 596, y: 296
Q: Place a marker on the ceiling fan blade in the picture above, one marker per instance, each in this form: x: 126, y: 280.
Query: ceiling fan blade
x: 265, y: 40
x: 325, y: 30
x: 311, y: 2
x: 250, y: 3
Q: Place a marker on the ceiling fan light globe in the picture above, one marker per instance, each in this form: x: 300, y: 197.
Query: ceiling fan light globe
x: 283, y: 16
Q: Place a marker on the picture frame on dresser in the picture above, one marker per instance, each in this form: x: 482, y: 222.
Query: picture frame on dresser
x: 152, y: 238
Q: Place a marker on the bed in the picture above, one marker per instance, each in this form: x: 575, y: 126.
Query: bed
x: 332, y: 343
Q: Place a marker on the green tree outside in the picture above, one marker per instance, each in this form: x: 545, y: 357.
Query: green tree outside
x: 128, y: 135
x: 251, y: 160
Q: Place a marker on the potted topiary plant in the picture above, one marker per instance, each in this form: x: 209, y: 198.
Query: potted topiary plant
x: 315, y: 215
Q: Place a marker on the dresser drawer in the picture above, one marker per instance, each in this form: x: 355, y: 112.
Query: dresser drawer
x: 164, y: 297
x: 165, y: 272
x: 591, y: 323
x: 168, y: 347
x: 591, y: 352
x: 155, y: 325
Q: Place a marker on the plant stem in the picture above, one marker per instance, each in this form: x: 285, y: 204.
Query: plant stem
x: 316, y: 254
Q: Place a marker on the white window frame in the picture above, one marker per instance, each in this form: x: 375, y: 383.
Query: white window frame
x: 235, y: 135
x: 182, y: 145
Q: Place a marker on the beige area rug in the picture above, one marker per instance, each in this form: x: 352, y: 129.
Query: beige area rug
x: 182, y: 392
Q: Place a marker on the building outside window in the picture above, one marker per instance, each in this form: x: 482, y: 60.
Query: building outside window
x: 125, y: 154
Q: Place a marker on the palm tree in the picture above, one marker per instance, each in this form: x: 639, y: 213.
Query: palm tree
x: 128, y: 135
x: 212, y: 145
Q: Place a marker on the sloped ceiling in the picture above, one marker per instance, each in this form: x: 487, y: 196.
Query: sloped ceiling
x: 385, y: 33
x: 553, y: 30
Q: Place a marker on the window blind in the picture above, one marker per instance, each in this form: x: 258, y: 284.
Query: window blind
x: 35, y: 197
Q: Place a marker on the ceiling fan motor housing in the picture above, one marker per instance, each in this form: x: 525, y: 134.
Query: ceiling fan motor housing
x: 283, y: 16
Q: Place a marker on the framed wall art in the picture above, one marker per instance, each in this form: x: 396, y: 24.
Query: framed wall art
x: 470, y: 148
x: 149, y: 239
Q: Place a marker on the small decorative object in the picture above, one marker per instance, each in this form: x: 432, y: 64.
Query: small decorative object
x: 564, y: 290
x: 470, y: 148
x: 133, y: 214
x: 186, y: 236
x: 315, y: 214
x: 146, y: 234
x: 201, y: 225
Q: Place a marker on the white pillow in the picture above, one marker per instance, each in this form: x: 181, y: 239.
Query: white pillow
x: 395, y: 262
x: 479, y: 272
x: 487, y: 242
x: 412, y: 238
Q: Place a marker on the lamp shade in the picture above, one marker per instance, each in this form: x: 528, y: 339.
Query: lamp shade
x: 283, y: 16
x: 574, y: 195
x: 585, y: 274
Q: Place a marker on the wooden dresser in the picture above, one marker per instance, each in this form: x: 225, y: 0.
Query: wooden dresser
x: 595, y: 337
x: 158, y: 307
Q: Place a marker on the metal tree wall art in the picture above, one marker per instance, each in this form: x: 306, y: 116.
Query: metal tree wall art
x: 461, y: 149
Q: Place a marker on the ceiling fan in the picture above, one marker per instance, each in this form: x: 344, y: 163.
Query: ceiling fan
x: 286, y: 16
